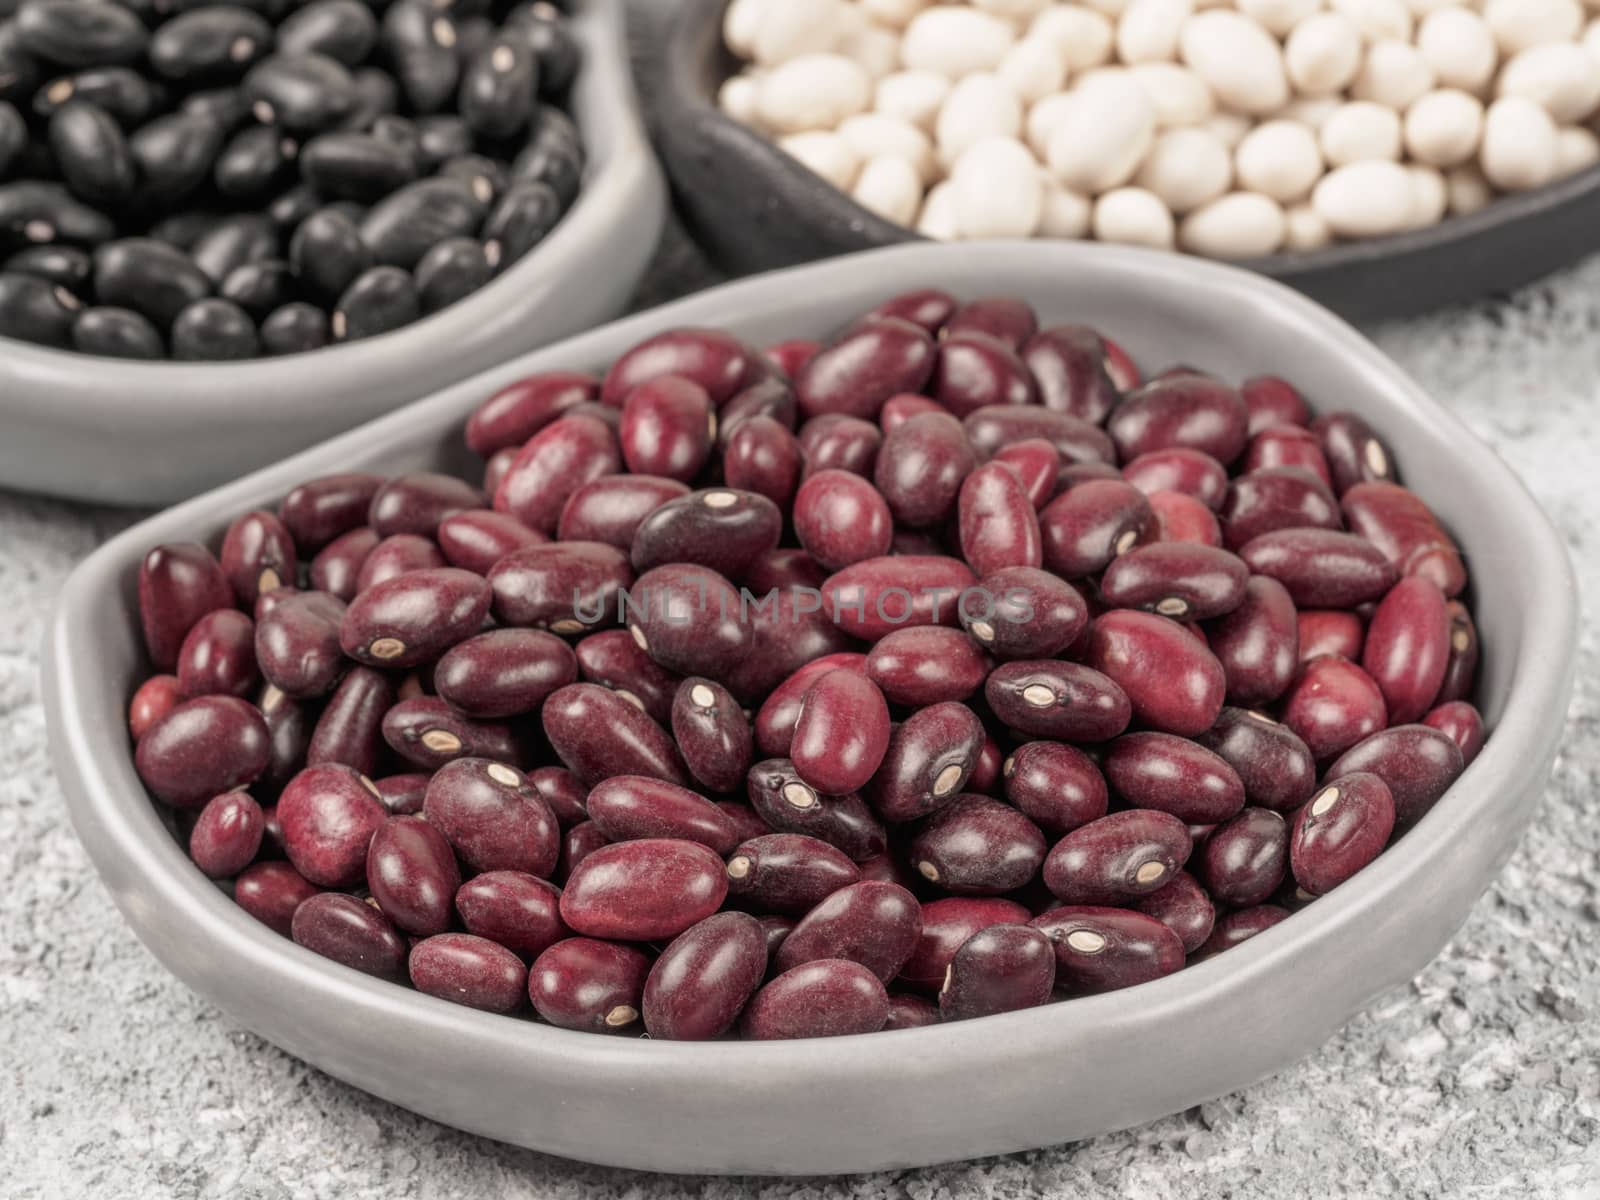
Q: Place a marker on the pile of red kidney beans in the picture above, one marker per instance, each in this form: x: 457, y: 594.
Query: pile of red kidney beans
x: 942, y: 670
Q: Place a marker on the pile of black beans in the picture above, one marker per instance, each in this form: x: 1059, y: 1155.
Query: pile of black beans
x: 207, y: 182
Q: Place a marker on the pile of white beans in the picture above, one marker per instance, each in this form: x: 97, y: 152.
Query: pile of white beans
x: 1229, y: 128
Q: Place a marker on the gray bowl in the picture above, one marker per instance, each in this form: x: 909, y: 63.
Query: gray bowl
x: 909, y: 1097
x: 152, y: 433
x: 716, y: 164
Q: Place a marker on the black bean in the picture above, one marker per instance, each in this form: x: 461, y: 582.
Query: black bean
x: 544, y: 31
x: 402, y: 132
x: 81, y: 33
x: 380, y: 300
x: 355, y: 166
x: 214, y: 331
x: 175, y: 154
x: 403, y: 227
x: 519, y: 222
x: 497, y: 92
x: 377, y: 95
x: 32, y: 211
x: 234, y: 241
x: 67, y: 266
x: 260, y: 287
x: 121, y: 91
x: 342, y: 29
x: 185, y: 229
x: 254, y: 162
x: 463, y: 8
x: 294, y: 329
x: 13, y: 134
x: 92, y: 153
x: 36, y: 310
x: 455, y: 268
x: 149, y: 277
x: 486, y: 177
x: 420, y: 45
x: 226, y: 106
x: 327, y: 253
x: 304, y: 93
x: 220, y: 41
x: 293, y: 206
x: 473, y: 34
x: 20, y: 71
x: 553, y: 155
x: 116, y: 333
x: 440, y: 138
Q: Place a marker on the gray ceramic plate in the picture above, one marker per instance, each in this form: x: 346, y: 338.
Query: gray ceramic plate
x: 717, y: 164
x: 917, y: 1096
x: 151, y: 433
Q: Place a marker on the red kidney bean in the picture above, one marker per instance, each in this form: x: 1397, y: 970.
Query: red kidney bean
x: 1257, y: 643
x: 563, y: 456
x: 582, y: 840
x: 337, y: 567
x: 1462, y: 724
x: 872, y: 598
x: 643, y: 890
x: 416, y: 503
x: 841, y: 519
x: 297, y: 643
x: 319, y: 510
x: 469, y: 970
x: 1287, y: 446
x: 1180, y: 518
x: 218, y: 656
x: 1272, y: 762
x: 1003, y: 968
x: 667, y: 428
x: 1124, y: 373
x: 1344, y: 827
x: 712, y: 733
x: 897, y: 410
x: 1183, y: 906
x: 947, y: 924
x: 926, y: 665
x: 866, y: 366
x: 328, y: 815
x: 615, y: 660
x: 788, y: 872
x: 1405, y: 530
x: 908, y: 1011
x: 1106, y: 949
x: 976, y: 846
x: 609, y: 509
x: 506, y: 672
x: 258, y: 555
x: 1417, y: 762
x: 1173, y: 682
x: 178, y: 584
x: 415, y: 617
x: 974, y: 370
x: 402, y: 795
x: 1239, y: 926
x: 1026, y: 613
x: 716, y: 361
x: 351, y: 933
x: 1004, y: 318
x: 477, y: 538
x: 154, y: 699
x: 1189, y: 410
x: 598, y: 734
x: 1087, y: 527
x: 833, y: 441
x: 1408, y: 647
x: 747, y: 823
x: 930, y: 757
x: 928, y: 308
x: 563, y: 792
x: 872, y: 923
x: 827, y: 997
x: 774, y: 722
x: 920, y: 468
x: 1332, y: 706
x: 1189, y: 472
x: 396, y: 556
x: 690, y: 620
x: 1072, y: 474
x: 789, y: 356
x: 583, y: 983
x: 1273, y: 499
x: 997, y: 426
x: 494, y: 817
x: 1244, y: 860
x: 998, y: 526
x: 567, y: 587
x: 720, y: 528
x: 790, y: 805
x: 519, y: 410
x: 289, y: 731
x: 1272, y: 402
x: 350, y: 729
x: 1068, y: 363
x: 1174, y: 775
x: 1322, y: 568
x: 1056, y: 786
x: 1330, y: 631
x: 1036, y: 464
x: 1177, y: 580
x: 1353, y: 451
x: 841, y: 733
x: 634, y: 807
x: 1054, y: 699
x: 227, y: 834
x: 770, y: 398
x: 427, y: 733
x: 1461, y: 670
x: 1117, y: 857
x: 701, y: 982
x: 762, y: 456
x: 272, y: 892
x: 788, y: 630
x: 202, y: 748
x: 412, y: 874
x: 512, y: 908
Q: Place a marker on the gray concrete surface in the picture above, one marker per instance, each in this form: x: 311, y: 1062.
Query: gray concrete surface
x: 1481, y: 1078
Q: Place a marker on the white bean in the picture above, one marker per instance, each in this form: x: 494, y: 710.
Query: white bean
x: 1305, y: 230
x: 1591, y: 38
x: 740, y: 23
x: 914, y: 96
x: 955, y: 41
x: 1033, y: 69
x: 1104, y: 134
x: 1360, y: 131
x: 897, y: 13
x: 1365, y: 199
x: 1457, y: 44
x: 998, y: 190
x: 1016, y: 10
x: 1278, y: 17
x: 1311, y: 111
x: 1577, y: 149
x: 1239, y: 225
x: 1229, y: 128
x: 1323, y: 54
x: 1518, y: 24
x: 877, y: 50
x: 1112, y: 8
x: 1066, y: 213
x: 1562, y: 76
x: 1238, y: 59
x: 978, y: 107
x: 789, y: 28
x: 1186, y: 168
x: 889, y: 186
x: 1443, y: 129
x: 1178, y: 95
x: 874, y: 135
x: 814, y: 91
x: 1468, y: 190
x: 1394, y: 74
x: 826, y: 153
x: 1042, y: 119
x: 1148, y: 30
x: 1429, y: 197
x: 1377, y: 20
x: 1519, y: 145
x: 738, y: 97
x: 1280, y: 159
x: 1083, y: 37
x: 1134, y: 217
x: 937, y: 219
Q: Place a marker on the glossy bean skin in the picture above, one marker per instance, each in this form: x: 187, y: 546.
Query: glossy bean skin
x: 788, y: 630
x: 609, y: 509
x: 908, y: 1011
x: 1069, y: 365
x: 504, y: 672
x: 1089, y: 525
x: 1062, y: 700
x: 633, y: 807
x: 1105, y: 949
x: 701, y: 982
x: 1462, y: 724
x: 1004, y: 318
x: 997, y: 524
x: 720, y: 528
x: 1180, y: 518
x: 202, y: 748
x: 289, y: 732
x: 1187, y: 411
x: 1321, y: 568
x: 762, y: 456
x: 562, y: 791
x: 1417, y: 763
x: 897, y: 410
x: 613, y: 659
x: 416, y: 503
x: 582, y: 840
x: 1287, y: 446
x: 412, y: 874
x: 398, y: 555
x: 1024, y: 613
x: 712, y: 733
x: 667, y: 428
x: 1276, y: 767
x: 474, y: 539
x: 218, y: 656
x: 1173, y: 775
x: 1258, y: 642
x: 1184, y: 907
x: 154, y: 699
x: 227, y: 834
x: 774, y: 721
x: 643, y: 890
x: 258, y: 555
x: 321, y: 509
x: 1037, y: 464
x: 931, y: 756
x: 587, y: 984
x: 836, y: 442
x: 947, y: 924
x: 872, y: 923
x: 1344, y: 827
x: 841, y: 733
x: 494, y: 817
x: 414, y: 617
x: 974, y: 370
x: 566, y: 587
x: 997, y: 426
x: 1003, y: 968
x: 178, y: 584
x: 1244, y: 860
x: 513, y: 909
x: 789, y: 805
x: 872, y: 598
x: 1326, y: 631
x: 519, y: 410
x: 1118, y: 857
x: 710, y: 358
x: 1189, y: 472
x: 1272, y: 403
x: 402, y: 795
x: 771, y: 398
x: 1460, y: 672
x: 1333, y: 705
x: 469, y: 970
x: 1408, y: 647
x: 351, y: 933
x: 272, y: 892
x: 563, y: 456
x: 1239, y: 926
x: 926, y: 665
x: 633, y: 745
x: 841, y: 519
x: 1353, y: 451
x: 976, y: 846
x: 866, y: 366
x: 788, y: 872
x: 921, y: 466
x: 1178, y: 580
x: 927, y: 308
x: 336, y: 569
x: 1056, y: 786
x: 1405, y: 530
x: 1275, y: 498
x: 328, y: 815
x: 350, y: 727
x: 690, y: 620
x: 297, y: 642
x: 427, y: 733
x: 827, y: 997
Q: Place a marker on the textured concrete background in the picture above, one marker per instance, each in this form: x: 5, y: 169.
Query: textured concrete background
x: 1481, y: 1078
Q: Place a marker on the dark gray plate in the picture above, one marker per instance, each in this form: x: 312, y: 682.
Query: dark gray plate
x: 754, y: 208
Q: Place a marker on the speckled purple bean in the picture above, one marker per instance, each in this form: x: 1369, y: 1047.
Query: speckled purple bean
x: 1054, y: 699
x: 350, y: 728
x: 328, y: 815
x: 412, y: 874
x: 1274, y: 764
x: 1089, y: 525
x: 178, y: 584
x: 202, y: 748
x: 598, y: 734
x: 701, y: 982
x: 827, y: 997
x: 920, y: 468
x: 790, y: 805
x: 1245, y: 859
x: 1417, y: 762
x: 563, y: 456
x: 1181, y: 580
x: 415, y: 617
x: 1105, y: 949
x: 321, y: 509
x: 297, y: 643
x: 872, y: 923
x: 643, y: 890
x: 1056, y: 786
x: 712, y: 733
x: 1003, y: 968
x: 609, y: 509
x: 218, y: 656
x: 227, y: 834
x: 1117, y: 858
x: 351, y: 933
x: 427, y: 733
x: 1184, y: 907
x: 494, y: 817
x: 591, y: 985
x: 720, y: 528
x: 512, y: 908
x: 1174, y: 775
x: 866, y: 366
x: 477, y: 538
x: 1258, y: 642
x: 1188, y: 410
x: 469, y: 970
x: 975, y: 846
x: 1069, y: 364
x: 337, y: 567
x: 258, y: 555
x: 566, y: 587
